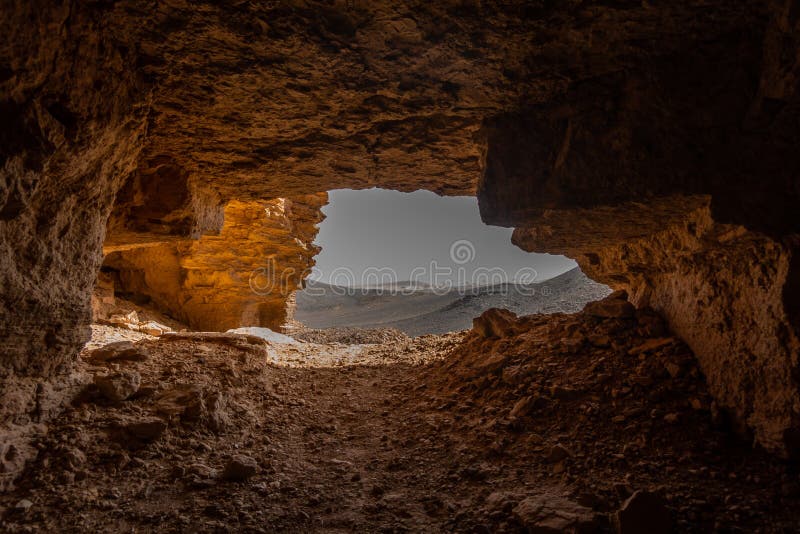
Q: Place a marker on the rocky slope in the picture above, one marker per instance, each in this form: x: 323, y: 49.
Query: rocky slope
x: 722, y: 289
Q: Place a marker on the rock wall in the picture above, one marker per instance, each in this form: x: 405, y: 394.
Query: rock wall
x: 677, y: 180
x: 70, y: 134
x: 720, y: 287
x: 241, y: 277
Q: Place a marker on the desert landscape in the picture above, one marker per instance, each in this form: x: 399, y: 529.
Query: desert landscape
x: 426, y: 310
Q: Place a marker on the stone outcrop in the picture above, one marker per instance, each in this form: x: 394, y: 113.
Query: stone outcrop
x: 240, y: 277
x: 161, y: 124
x: 721, y: 287
x: 677, y: 180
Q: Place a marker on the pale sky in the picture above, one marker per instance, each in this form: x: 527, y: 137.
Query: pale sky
x: 422, y: 236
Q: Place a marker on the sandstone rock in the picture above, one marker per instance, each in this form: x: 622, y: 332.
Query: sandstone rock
x: 494, y: 323
x: 119, y: 351
x: 185, y: 278
x: 699, y: 273
x: 193, y: 404
x: 545, y: 514
x: 612, y: 307
x: 643, y: 513
x: 153, y: 328
x: 129, y: 320
x: 185, y: 400
x: 118, y: 386
x: 239, y: 468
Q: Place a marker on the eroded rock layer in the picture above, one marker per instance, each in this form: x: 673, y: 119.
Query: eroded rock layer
x: 240, y: 277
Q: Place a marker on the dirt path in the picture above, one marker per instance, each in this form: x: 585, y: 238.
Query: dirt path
x: 228, y: 434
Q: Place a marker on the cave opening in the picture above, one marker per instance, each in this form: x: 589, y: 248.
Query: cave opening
x: 421, y: 263
x: 416, y: 262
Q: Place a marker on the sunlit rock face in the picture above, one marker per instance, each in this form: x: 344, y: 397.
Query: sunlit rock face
x: 130, y: 124
x: 240, y: 277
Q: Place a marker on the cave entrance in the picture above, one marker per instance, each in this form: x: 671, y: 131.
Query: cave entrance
x: 425, y: 264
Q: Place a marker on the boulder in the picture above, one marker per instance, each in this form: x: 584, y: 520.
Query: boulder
x: 614, y: 306
x: 239, y: 468
x: 547, y: 513
x: 118, y: 386
x: 495, y: 323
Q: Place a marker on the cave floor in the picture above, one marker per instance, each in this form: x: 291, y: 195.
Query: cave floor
x: 438, y: 433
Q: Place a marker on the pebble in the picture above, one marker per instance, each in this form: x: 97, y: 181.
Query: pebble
x: 23, y: 506
x: 119, y: 351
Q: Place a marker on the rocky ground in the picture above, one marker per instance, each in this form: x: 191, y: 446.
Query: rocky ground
x: 350, y: 335
x: 588, y: 422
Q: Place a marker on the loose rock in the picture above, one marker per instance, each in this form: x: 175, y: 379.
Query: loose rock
x: 118, y: 386
x: 615, y: 306
x: 23, y: 506
x: 119, y: 351
x: 494, y: 323
x: 552, y: 514
x: 239, y: 468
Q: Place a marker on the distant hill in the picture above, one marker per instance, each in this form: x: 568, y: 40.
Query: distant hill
x: 425, y: 311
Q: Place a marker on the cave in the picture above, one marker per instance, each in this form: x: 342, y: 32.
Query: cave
x: 164, y: 153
